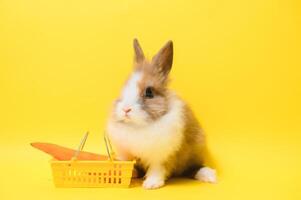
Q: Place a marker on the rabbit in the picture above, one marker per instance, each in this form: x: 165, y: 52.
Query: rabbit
x: 151, y: 124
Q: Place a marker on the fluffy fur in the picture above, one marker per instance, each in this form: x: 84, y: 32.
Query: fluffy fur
x: 160, y: 131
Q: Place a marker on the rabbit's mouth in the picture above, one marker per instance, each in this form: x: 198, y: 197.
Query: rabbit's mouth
x: 125, y: 119
x: 132, y: 121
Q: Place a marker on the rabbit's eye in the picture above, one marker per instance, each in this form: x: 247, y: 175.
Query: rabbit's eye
x: 149, y: 93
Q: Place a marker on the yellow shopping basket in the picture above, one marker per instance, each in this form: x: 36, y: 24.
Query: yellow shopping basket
x: 78, y: 173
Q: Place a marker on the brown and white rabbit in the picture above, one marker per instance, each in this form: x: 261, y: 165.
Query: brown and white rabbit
x: 153, y: 125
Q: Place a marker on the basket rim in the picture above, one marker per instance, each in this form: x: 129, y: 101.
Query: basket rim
x: 91, y: 161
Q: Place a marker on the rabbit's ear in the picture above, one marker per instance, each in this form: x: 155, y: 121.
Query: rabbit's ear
x: 163, y: 59
x: 139, y: 55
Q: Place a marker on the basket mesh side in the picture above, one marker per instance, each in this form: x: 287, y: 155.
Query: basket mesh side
x: 79, y: 174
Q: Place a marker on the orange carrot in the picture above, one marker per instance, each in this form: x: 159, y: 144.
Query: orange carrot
x: 63, y: 153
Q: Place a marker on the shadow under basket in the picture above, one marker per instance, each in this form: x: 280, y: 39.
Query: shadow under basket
x: 77, y: 173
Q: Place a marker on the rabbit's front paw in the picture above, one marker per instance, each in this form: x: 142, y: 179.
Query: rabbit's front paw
x: 153, y: 182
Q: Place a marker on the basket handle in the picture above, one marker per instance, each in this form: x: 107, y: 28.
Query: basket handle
x: 109, y: 148
x: 111, y: 153
x: 81, y: 146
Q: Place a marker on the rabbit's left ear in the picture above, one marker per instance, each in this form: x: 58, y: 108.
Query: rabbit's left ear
x: 139, y: 55
x: 163, y: 59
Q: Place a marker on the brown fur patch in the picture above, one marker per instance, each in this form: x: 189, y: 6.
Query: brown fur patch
x: 158, y: 105
x: 190, y: 156
x: 155, y: 75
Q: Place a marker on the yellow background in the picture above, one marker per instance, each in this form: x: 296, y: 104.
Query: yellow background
x: 236, y: 62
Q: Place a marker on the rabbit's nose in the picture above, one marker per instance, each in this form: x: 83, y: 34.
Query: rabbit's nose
x: 126, y: 110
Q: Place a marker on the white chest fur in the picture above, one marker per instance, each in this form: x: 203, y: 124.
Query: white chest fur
x: 152, y: 143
